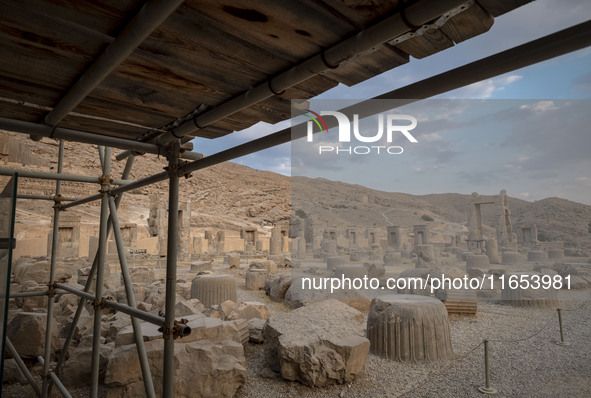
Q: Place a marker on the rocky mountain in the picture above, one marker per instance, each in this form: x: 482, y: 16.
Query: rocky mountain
x: 230, y: 196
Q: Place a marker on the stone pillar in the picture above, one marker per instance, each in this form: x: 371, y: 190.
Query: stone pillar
x: 421, y: 235
x: 394, y: 238
x: 276, y: 241
x: 409, y: 328
x: 302, y: 245
x: 213, y: 289
x: 492, y: 251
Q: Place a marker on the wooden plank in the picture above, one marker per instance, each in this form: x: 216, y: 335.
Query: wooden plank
x: 290, y: 30
x: 211, y: 132
x: 106, y: 17
x: 359, y: 13
x: 431, y: 42
x: 500, y: 7
x: 102, y: 127
x: 19, y: 112
x: 43, y: 52
x: 28, y: 92
x: 363, y: 68
x: 470, y: 23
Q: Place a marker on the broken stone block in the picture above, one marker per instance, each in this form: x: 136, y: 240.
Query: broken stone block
x: 198, y: 266
x: 278, y: 287
x: 255, y: 330
x: 536, y: 255
x: 76, y: 370
x: 319, y: 344
x: 188, y: 307
x: 427, y: 257
x: 138, y: 291
x: 212, y: 289
x: 26, y: 331
x: 226, y: 308
x: 555, y: 254
x: 299, y: 295
x: 375, y: 270
x: 477, y: 261
x: 255, y: 279
x: 392, y: 257
x: 183, y: 289
x: 512, y: 258
x: 350, y: 271
x: 83, y: 274
x: 233, y: 260
x: 268, y: 265
x: 12, y: 373
x: 38, y: 271
x: 409, y: 328
x: 207, y: 369
x: 249, y: 310
x: 141, y: 275
x: 333, y: 261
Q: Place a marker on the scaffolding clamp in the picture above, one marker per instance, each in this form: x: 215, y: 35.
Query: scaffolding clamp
x: 102, y: 303
x: 105, y: 180
x: 179, y: 330
x: 51, y: 289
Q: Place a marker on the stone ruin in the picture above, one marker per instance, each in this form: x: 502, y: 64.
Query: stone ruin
x: 69, y: 236
x: 409, y: 328
x: 158, y: 225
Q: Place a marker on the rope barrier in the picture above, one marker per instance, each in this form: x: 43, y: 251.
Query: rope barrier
x: 463, y: 357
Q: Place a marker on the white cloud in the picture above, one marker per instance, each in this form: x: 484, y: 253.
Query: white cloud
x: 486, y: 88
x: 540, y: 107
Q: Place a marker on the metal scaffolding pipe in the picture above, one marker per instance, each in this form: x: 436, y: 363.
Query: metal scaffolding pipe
x: 58, y: 383
x: 19, y: 126
x: 58, y: 176
x: 171, y: 264
x: 64, y: 351
x: 22, y: 367
x: 391, y: 27
x: 547, y: 47
x: 137, y: 330
x: 150, y: 16
x: 52, y: 266
x: 146, y: 316
x: 44, y: 197
x: 100, y: 272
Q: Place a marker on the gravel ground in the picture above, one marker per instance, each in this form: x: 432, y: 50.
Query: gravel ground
x: 534, y: 367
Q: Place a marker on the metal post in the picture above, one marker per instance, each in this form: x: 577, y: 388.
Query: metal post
x: 171, y: 260
x: 23, y: 367
x: 57, y: 176
x: 58, y: 383
x: 54, y: 254
x: 137, y: 330
x: 487, y: 389
x: 78, y: 313
x: 562, y: 341
x: 102, y: 250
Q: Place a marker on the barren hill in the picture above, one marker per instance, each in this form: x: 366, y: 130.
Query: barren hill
x: 230, y: 196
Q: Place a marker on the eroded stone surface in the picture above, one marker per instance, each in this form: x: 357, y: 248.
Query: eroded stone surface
x: 319, y: 344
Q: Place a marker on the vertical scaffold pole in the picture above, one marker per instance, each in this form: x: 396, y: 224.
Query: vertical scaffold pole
x: 137, y: 330
x: 100, y: 268
x: 52, y: 266
x: 171, y: 263
x: 78, y: 313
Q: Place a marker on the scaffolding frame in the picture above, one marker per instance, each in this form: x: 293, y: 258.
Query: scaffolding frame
x: 565, y: 41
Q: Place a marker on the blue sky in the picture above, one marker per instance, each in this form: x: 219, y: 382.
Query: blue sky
x: 566, y: 77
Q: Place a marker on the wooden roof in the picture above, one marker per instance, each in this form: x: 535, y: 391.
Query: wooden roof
x: 205, y: 53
